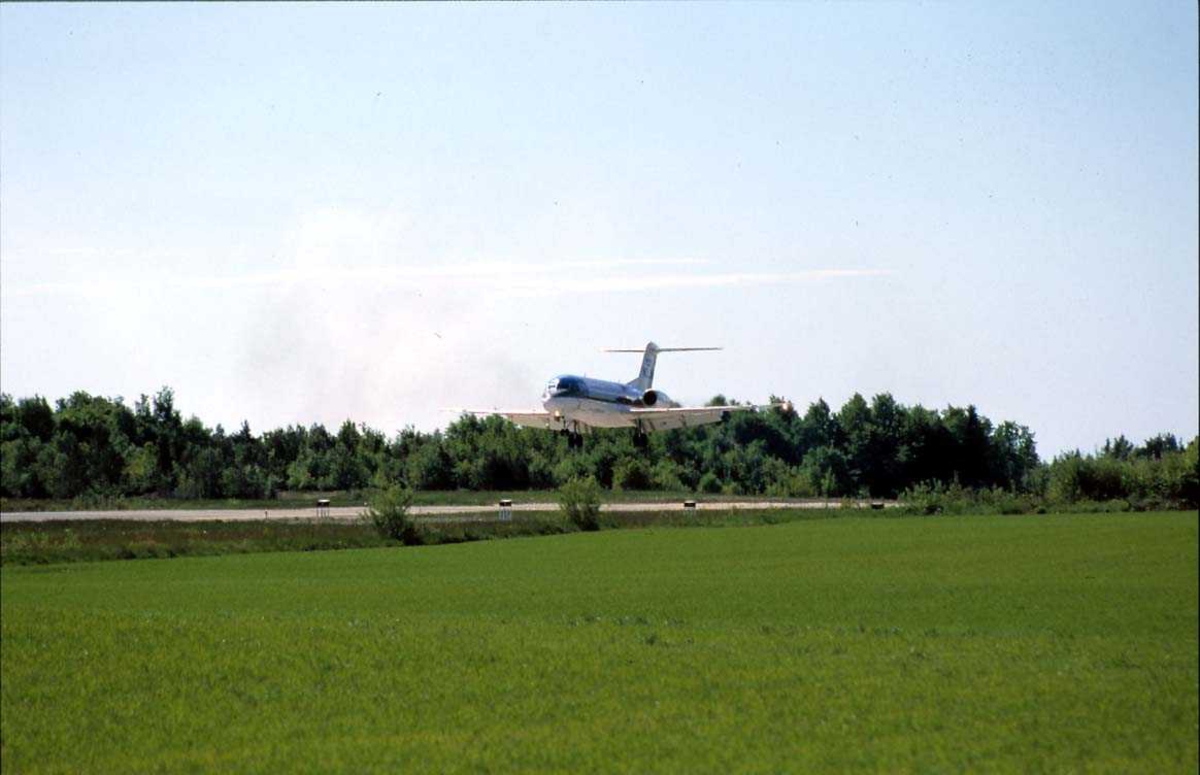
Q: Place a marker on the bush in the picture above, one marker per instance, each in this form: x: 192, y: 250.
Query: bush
x: 631, y: 474
x: 955, y: 499
x: 388, y: 512
x: 1076, y: 478
x: 1115, y: 506
x: 572, y: 467
x: 709, y: 483
x: 785, y: 482
x: 579, y: 500
x: 666, y: 476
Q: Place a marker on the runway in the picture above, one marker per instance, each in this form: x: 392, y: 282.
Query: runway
x: 431, y: 513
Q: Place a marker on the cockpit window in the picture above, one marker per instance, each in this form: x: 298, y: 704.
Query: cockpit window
x: 565, y: 386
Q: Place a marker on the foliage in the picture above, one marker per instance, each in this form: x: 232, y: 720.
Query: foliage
x: 579, y: 501
x: 388, y: 512
x: 937, y: 498
x: 1159, y: 478
x: 96, y: 447
x: 709, y: 483
x: 632, y: 473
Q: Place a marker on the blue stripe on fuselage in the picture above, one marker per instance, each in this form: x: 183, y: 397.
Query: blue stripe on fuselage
x: 571, y: 386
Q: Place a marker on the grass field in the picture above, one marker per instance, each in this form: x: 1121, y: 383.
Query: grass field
x: 1048, y: 644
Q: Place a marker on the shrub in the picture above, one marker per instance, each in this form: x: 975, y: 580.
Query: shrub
x: 665, y: 476
x: 1077, y: 478
x: 939, y: 498
x: 631, y: 474
x: 785, y: 482
x: 1098, y: 507
x: 923, y: 499
x: 572, y: 467
x: 709, y: 483
x: 98, y: 500
x: 579, y: 500
x: 936, y: 498
x: 388, y: 512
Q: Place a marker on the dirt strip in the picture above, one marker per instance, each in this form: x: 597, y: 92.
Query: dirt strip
x: 347, y: 513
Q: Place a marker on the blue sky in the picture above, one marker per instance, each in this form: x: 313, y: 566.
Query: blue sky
x: 306, y: 213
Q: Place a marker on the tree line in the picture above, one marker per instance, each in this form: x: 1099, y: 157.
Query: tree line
x: 95, y: 446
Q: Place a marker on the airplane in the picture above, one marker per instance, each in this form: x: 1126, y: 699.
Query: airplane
x: 576, y: 405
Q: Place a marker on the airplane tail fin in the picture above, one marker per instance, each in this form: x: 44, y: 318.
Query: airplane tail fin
x: 645, y: 377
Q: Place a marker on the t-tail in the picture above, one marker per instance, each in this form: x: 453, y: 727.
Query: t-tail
x: 645, y: 377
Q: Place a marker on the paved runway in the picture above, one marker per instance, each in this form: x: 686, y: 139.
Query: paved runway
x: 347, y: 513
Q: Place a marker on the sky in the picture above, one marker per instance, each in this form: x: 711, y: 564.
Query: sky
x: 319, y: 212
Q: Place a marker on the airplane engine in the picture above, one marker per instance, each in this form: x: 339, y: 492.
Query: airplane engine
x: 656, y: 398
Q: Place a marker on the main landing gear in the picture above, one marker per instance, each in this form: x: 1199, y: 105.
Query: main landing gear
x: 574, y: 440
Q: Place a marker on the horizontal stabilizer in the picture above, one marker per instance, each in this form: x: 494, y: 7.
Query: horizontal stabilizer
x: 659, y: 349
x: 645, y: 377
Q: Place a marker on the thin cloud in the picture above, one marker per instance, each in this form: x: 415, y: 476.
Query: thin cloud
x: 524, y: 278
x: 489, y: 272
x: 637, y: 284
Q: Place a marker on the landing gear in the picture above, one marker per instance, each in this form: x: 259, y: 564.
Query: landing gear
x: 640, y: 439
x: 574, y: 440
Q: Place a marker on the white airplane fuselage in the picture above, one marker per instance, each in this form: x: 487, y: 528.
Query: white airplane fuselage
x: 598, y: 403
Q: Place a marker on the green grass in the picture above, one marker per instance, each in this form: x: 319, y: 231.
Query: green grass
x: 1025, y: 644
x: 40, y: 543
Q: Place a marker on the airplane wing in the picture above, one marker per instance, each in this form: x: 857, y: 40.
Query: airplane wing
x: 687, y: 417
x: 530, y: 418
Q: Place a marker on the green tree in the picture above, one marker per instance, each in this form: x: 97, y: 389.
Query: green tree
x: 854, y: 419
x: 971, y: 444
x: 827, y: 467
x: 1014, y: 456
x: 428, y: 466
x: 818, y: 428
x: 1119, y: 448
x: 1157, y: 446
x: 35, y: 418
